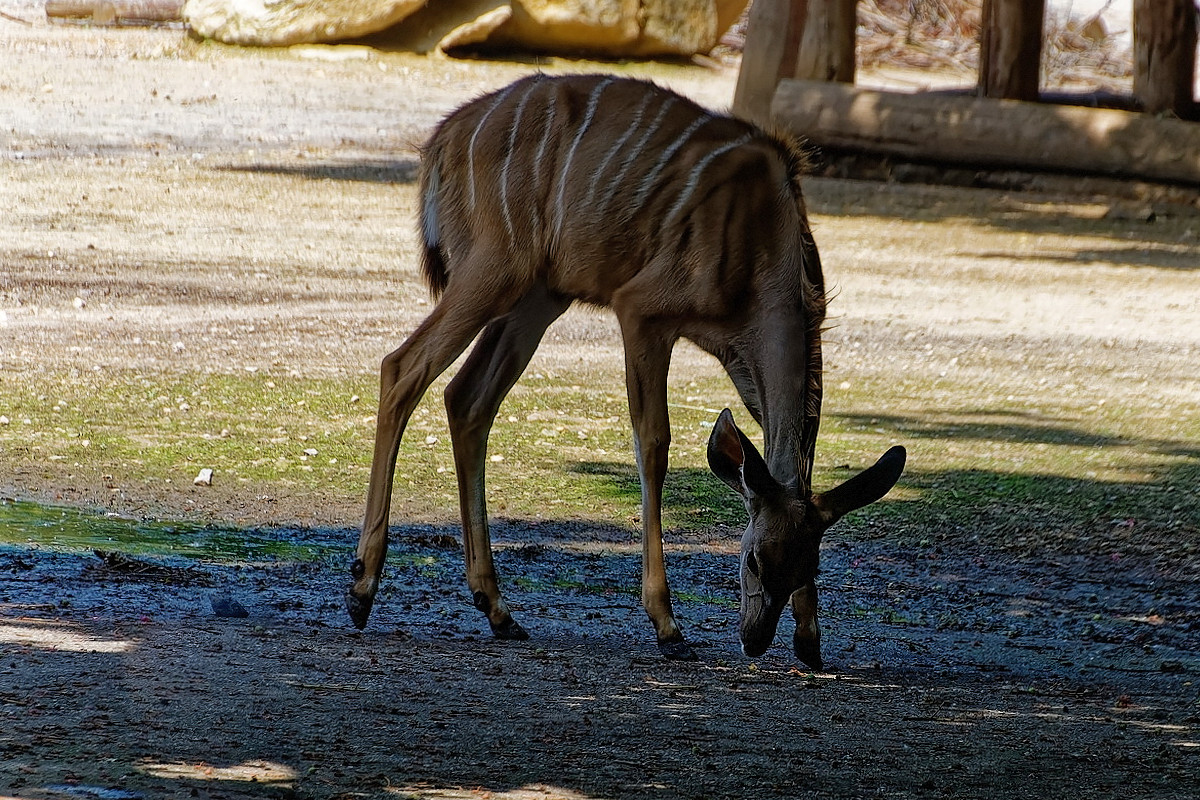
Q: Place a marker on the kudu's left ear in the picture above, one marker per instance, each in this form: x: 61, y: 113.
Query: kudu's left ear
x: 735, y: 460
x: 864, y: 488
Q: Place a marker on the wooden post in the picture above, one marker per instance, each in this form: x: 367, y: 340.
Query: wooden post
x: 808, y: 39
x: 1010, y: 49
x: 1164, y: 51
x: 773, y: 36
x: 827, y: 42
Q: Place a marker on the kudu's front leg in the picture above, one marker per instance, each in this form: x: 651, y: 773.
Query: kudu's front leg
x: 472, y: 400
x: 647, y: 358
x: 806, y: 641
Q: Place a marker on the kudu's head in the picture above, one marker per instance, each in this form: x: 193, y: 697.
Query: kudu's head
x: 780, y: 549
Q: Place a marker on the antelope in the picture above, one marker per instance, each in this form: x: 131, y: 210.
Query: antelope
x: 617, y: 193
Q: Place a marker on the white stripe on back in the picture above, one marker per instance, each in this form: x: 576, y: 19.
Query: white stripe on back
x: 694, y: 179
x: 593, y: 101
x: 652, y: 176
x: 612, y: 151
x: 512, y: 143
x: 534, y: 179
x: 635, y: 151
x: 471, y: 145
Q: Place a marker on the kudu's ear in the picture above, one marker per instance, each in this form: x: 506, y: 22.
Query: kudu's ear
x: 864, y: 488
x: 734, y: 459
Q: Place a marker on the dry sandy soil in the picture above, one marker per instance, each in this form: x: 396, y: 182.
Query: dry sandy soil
x: 260, y: 203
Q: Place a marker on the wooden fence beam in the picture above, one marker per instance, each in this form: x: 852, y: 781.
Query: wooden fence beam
x: 983, y: 132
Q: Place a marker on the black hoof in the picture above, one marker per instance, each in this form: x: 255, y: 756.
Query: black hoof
x: 359, y: 608
x: 677, y: 650
x: 809, y: 652
x: 509, y: 630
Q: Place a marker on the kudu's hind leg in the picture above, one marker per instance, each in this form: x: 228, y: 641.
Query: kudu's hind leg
x: 472, y: 400
x: 404, y: 376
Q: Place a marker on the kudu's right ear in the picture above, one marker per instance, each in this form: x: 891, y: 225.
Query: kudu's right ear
x: 734, y: 459
x: 864, y: 488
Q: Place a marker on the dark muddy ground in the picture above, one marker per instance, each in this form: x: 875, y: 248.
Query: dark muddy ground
x: 949, y: 676
x: 958, y: 666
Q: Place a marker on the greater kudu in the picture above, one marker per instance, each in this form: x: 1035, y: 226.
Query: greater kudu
x: 617, y: 193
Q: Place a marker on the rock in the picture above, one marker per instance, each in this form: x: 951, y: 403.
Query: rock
x: 225, y: 606
x: 204, y: 478
x: 446, y: 24
x: 616, y: 28
x: 287, y: 22
x: 612, y: 28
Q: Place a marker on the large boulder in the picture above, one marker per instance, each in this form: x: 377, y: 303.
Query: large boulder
x: 613, y: 28
x: 286, y: 22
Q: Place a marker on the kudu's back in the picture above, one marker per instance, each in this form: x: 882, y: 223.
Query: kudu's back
x: 595, y: 185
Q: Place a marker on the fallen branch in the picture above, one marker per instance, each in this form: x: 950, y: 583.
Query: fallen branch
x: 114, y: 565
x: 15, y: 18
x: 107, y: 12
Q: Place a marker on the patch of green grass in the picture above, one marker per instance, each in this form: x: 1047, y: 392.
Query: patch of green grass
x: 70, y: 530
x: 1057, y: 471
x: 985, y: 464
x: 147, y: 428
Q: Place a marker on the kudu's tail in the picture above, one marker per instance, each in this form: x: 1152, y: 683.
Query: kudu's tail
x: 433, y: 261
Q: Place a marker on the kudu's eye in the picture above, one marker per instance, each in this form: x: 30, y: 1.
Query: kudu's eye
x: 752, y: 564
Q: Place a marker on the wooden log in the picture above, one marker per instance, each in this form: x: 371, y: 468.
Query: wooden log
x: 827, y: 41
x: 983, y: 132
x: 773, y: 35
x: 1010, y: 49
x: 107, y: 12
x: 1164, y: 54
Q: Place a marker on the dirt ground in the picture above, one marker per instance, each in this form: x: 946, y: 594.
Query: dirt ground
x: 167, y: 205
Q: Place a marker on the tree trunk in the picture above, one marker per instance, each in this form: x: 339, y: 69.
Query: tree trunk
x: 1010, y: 50
x: 1164, y: 48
